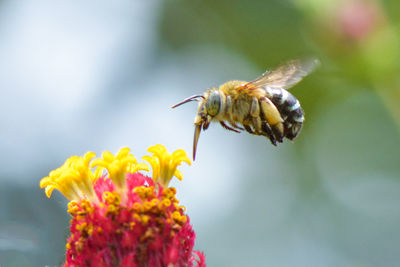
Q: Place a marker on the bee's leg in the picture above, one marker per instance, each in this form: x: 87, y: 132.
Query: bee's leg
x: 248, y: 129
x: 255, y: 115
x: 228, y: 111
x: 260, y: 126
x: 254, y: 108
x: 268, y: 132
x: 273, y: 117
x: 251, y: 127
x: 257, y: 126
x: 234, y: 125
x: 206, y: 125
x: 228, y: 128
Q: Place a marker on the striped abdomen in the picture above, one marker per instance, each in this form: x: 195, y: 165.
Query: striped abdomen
x: 290, y: 109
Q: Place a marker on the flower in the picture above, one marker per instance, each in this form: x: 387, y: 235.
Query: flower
x: 356, y: 19
x: 121, y: 217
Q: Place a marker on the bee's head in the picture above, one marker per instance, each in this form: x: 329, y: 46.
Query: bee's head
x: 209, y: 106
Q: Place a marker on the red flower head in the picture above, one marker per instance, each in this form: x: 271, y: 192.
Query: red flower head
x: 123, y: 218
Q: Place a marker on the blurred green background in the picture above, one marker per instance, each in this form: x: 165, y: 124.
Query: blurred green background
x: 98, y: 75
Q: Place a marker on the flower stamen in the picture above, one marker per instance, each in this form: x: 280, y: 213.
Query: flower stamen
x: 72, y: 179
x: 164, y: 164
x: 117, y: 166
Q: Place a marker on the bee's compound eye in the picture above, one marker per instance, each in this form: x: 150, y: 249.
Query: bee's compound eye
x: 213, y: 104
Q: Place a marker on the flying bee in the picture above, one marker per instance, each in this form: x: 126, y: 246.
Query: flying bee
x: 261, y: 107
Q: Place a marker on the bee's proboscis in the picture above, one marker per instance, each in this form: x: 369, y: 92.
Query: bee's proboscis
x: 196, y: 139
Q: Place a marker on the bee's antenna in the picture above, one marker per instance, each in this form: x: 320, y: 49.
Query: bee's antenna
x: 191, y: 98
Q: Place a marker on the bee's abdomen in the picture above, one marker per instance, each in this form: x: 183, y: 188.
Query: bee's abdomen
x: 290, y: 109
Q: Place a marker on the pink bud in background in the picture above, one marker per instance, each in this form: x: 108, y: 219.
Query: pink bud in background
x: 357, y: 19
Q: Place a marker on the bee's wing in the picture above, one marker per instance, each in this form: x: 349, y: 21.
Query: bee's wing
x: 285, y: 75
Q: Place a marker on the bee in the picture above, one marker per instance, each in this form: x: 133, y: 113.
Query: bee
x: 261, y: 107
